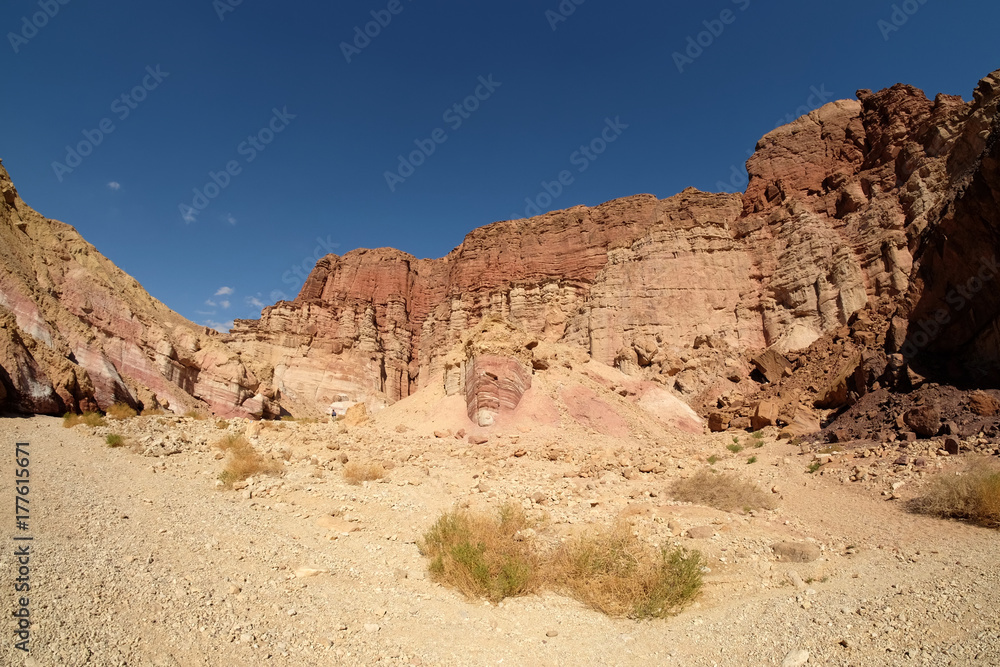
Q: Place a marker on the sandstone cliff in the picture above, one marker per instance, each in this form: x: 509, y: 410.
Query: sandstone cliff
x: 77, y: 333
x: 682, y: 290
x: 873, y: 218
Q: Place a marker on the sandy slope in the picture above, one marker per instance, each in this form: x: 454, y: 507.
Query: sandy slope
x: 140, y: 560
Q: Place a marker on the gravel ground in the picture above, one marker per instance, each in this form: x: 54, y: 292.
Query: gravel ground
x: 138, y: 558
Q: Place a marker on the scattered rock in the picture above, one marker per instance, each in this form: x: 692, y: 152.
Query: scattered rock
x: 718, y: 422
x: 772, y: 365
x: 796, y: 552
x: 796, y: 658
x: 924, y: 420
x: 701, y: 532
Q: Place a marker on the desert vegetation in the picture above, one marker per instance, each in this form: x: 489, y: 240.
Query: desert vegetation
x: 495, y: 556
x: 722, y: 491
x: 120, y: 411
x: 614, y: 572
x: 356, y: 473
x: 242, y: 460
x: 972, y: 495
x: 94, y: 419
x: 482, y: 555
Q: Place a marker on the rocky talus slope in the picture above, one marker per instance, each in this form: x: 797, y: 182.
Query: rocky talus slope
x: 78, y: 333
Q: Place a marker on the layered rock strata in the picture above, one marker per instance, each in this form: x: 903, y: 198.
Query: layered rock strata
x: 838, y: 205
x: 77, y: 333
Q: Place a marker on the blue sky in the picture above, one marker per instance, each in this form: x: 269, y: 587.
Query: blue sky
x: 162, y: 96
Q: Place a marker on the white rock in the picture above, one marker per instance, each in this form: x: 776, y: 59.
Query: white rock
x: 796, y: 658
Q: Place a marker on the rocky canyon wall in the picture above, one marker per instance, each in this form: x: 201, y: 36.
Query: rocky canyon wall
x: 77, y: 333
x: 838, y: 204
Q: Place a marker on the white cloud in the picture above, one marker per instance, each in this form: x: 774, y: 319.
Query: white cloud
x: 209, y: 302
x: 224, y: 291
x: 189, y: 216
x: 255, y: 302
x: 221, y: 327
x: 115, y: 185
x: 230, y: 218
x: 224, y: 304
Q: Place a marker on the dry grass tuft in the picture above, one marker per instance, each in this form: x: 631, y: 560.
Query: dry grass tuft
x: 483, y: 555
x: 355, y: 473
x: 197, y: 415
x: 721, y: 491
x: 615, y: 573
x: 115, y: 440
x: 93, y: 419
x: 121, y: 411
x: 243, y: 460
x: 495, y: 556
x: 973, y: 496
x: 222, y: 424
x: 152, y: 412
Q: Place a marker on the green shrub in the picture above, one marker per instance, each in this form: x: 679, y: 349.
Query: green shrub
x: 614, y: 572
x: 482, y: 555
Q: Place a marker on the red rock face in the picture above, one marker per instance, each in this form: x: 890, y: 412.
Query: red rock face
x: 77, y: 333
x: 838, y: 204
x: 891, y: 200
x: 494, y: 385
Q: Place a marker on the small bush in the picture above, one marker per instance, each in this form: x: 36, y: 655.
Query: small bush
x: 355, y: 473
x: 196, y: 414
x: 482, y: 555
x: 121, y: 411
x: 243, y: 460
x: 614, y: 572
x: 93, y: 419
x: 734, y: 448
x: 713, y: 459
x: 973, y: 496
x: 115, y: 440
x: 222, y: 424
x: 152, y: 412
x: 721, y: 491
x: 752, y: 460
x: 813, y: 467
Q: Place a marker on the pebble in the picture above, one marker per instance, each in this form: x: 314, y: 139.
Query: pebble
x: 796, y: 658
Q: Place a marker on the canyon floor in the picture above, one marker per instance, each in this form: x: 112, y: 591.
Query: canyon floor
x: 139, y: 558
